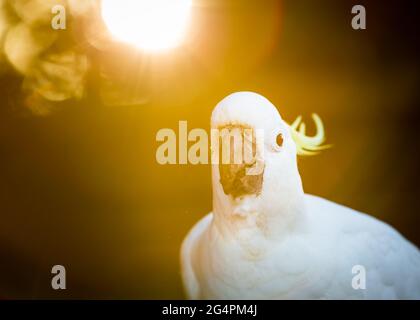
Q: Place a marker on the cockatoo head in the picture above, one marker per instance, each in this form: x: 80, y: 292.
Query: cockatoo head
x: 271, y: 181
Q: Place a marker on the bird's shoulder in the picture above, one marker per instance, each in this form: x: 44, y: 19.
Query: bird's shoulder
x: 329, y: 213
x: 187, y: 255
x: 389, y: 258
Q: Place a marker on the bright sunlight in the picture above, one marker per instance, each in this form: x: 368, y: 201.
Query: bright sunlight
x: 151, y: 25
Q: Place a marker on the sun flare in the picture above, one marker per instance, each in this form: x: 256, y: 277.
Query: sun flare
x: 151, y: 25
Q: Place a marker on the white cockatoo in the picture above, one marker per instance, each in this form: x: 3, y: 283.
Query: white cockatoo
x: 267, y: 239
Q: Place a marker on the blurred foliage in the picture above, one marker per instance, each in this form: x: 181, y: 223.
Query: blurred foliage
x: 53, y: 63
x: 85, y: 61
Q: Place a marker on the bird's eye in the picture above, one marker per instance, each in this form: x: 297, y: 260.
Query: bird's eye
x: 279, y: 140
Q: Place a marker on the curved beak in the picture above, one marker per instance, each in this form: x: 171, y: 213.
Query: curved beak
x: 241, y: 169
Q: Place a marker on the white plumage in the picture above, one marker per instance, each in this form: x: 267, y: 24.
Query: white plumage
x: 279, y: 243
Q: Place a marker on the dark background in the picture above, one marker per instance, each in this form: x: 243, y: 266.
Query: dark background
x: 81, y: 187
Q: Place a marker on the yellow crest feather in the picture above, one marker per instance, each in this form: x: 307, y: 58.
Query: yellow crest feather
x: 306, y: 145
